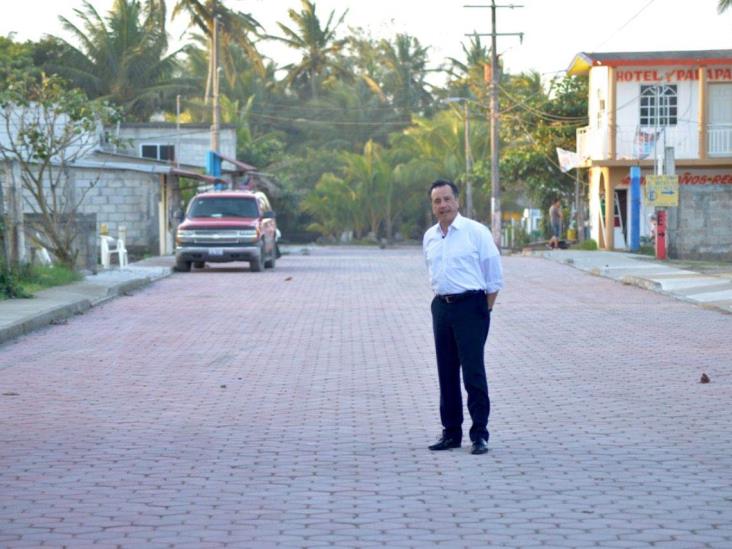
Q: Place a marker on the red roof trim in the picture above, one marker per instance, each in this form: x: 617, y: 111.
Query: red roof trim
x: 657, y: 62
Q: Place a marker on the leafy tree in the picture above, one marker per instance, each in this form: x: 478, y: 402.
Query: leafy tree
x: 242, y: 93
x: 538, y: 121
x: 318, y: 45
x: 467, y: 78
x: 48, y: 127
x: 333, y: 206
x: 405, y: 63
x: 121, y: 58
x: 235, y: 28
x: 16, y: 59
x: 297, y: 175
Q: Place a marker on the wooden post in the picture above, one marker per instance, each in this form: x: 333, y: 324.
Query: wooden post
x: 702, y: 116
x: 611, y: 114
x: 609, y: 210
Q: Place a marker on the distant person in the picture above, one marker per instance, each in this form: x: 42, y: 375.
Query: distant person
x: 555, y: 219
x: 465, y: 274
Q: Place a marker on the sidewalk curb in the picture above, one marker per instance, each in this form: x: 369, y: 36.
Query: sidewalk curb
x: 644, y: 283
x: 630, y: 280
x: 126, y: 287
x: 76, y: 306
x: 59, y: 313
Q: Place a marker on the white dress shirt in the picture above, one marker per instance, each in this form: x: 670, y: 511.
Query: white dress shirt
x: 466, y: 258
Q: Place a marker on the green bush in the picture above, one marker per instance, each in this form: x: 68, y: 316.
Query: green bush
x: 647, y: 249
x: 10, y: 283
x: 588, y: 244
x: 521, y: 238
x: 24, y: 281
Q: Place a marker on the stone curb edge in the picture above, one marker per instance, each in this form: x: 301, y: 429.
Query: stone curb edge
x: 42, y: 320
x: 80, y: 306
x: 638, y: 282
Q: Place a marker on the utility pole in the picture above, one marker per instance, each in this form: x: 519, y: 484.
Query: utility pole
x: 216, y: 123
x: 494, y: 113
x: 468, y: 166
x: 177, y: 131
x: 468, y: 154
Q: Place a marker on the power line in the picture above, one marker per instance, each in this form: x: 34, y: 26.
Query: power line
x: 624, y: 24
x: 539, y: 112
x: 328, y: 122
x: 495, y: 177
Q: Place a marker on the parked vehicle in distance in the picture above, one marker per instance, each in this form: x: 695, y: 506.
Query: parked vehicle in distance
x: 224, y: 226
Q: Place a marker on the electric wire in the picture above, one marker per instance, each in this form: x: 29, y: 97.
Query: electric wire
x: 624, y: 25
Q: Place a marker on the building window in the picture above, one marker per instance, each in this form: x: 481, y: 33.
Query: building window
x: 158, y: 152
x: 658, y: 105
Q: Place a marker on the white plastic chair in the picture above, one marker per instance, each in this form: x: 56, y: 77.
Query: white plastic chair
x: 109, y: 246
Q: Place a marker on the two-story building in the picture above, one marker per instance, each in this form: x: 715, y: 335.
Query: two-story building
x: 639, y: 104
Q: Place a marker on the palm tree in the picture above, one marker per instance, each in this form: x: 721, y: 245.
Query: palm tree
x: 317, y: 44
x: 121, y: 58
x: 405, y: 61
x: 333, y: 206
x: 467, y: 77
x: 235, y: 27
x: 724, y: 5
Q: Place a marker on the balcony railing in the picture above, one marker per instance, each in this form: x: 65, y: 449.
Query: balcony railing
x: 640, y: 143
x: 719, y: 140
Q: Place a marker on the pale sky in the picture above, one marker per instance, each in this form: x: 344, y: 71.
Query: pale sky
x: 554, y: 30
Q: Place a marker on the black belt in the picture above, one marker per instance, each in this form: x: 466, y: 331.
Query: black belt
x: 454, y: 298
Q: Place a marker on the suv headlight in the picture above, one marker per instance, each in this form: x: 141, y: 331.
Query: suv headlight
x: 248, y: 233
x: 183, y: 235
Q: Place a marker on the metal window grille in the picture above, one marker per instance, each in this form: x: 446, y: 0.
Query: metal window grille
x: 658, y: 105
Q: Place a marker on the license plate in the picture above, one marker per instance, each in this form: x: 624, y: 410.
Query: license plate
x: 216, y: 251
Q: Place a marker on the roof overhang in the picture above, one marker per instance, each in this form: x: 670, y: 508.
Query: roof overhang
x: 197, y: 176
x: 581, y: 64
x: 583, y: 61
x: 240, y: 166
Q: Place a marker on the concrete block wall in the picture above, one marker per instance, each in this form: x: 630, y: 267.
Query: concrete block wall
x: 701, y: 227
x: 123, y: 198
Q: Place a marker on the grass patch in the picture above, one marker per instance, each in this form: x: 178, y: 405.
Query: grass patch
x: 29, y: 279
x: 589, y: 245
x: 647, y: 249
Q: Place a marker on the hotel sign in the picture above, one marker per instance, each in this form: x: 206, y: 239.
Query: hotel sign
x: 672, y: 75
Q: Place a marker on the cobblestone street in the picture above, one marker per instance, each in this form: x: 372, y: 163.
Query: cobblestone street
x: 294, y: 407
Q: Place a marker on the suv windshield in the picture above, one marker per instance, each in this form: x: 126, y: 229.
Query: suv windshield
x: 224, y: 207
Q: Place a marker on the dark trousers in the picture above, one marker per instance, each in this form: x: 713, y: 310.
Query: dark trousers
x: 461, y: 330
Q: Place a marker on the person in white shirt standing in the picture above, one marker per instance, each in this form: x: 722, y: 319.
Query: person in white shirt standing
x: 466, y: 275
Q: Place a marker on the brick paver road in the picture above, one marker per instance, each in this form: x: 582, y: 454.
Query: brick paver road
x: 294, y: 408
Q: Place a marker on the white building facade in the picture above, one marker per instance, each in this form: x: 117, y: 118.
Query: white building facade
x: 186, y: 144
x: 639, y: 104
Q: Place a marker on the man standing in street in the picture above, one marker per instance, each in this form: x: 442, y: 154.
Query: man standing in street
x: 466, y: 274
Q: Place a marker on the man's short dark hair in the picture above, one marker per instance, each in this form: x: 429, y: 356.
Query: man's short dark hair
x: 442, y: 183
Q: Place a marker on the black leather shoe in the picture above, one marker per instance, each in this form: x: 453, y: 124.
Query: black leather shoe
x: 445, y: 443
x: 480, y: 446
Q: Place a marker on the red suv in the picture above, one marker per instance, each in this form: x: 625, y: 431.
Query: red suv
x: 227, y: 226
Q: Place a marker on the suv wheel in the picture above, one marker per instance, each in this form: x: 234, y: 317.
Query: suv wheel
x: 183, y: 266
x: 199, y: 264
x: 257, y: 265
